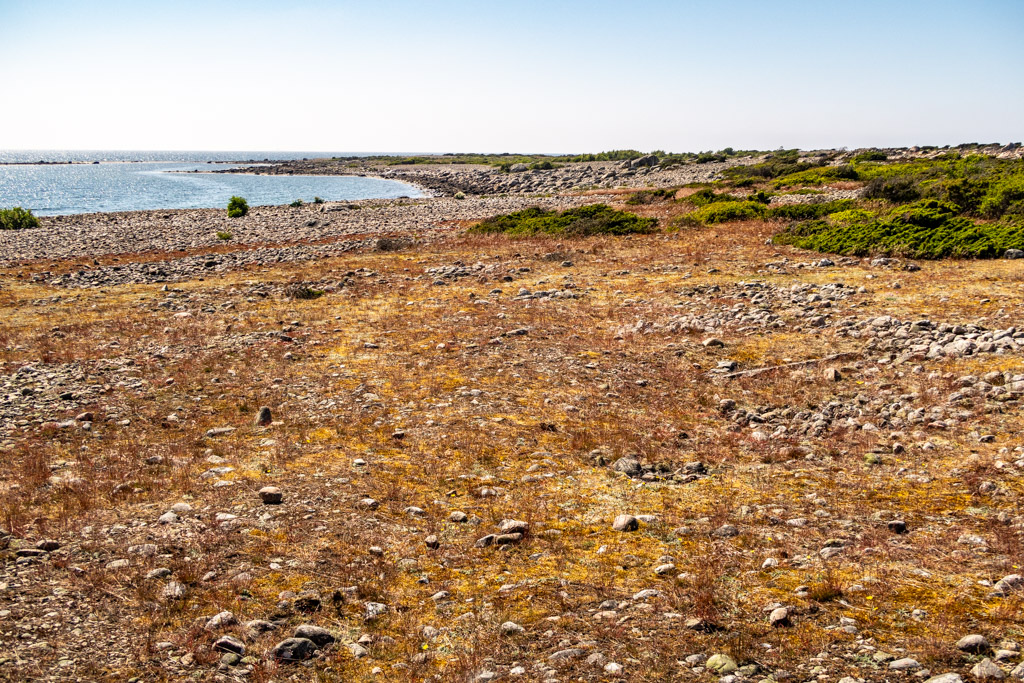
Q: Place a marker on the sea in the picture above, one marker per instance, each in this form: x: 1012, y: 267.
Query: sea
x: 61, y: 182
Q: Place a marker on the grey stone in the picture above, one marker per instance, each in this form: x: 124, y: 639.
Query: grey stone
x: 271, y: 495
x: 973, y: 643
x: 986, y: 670
x: 905, y: 664
x: 264, y: 417
x: 321, y: 636
x: 626, y: 523
x: 221, y: 620
x: 229, y: 644
x: 293, y: 650
x: 628, y: 466
x: 511, y: 628
x: 721, y: 664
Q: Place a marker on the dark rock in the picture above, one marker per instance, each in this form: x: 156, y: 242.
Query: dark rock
x: 293, y: 650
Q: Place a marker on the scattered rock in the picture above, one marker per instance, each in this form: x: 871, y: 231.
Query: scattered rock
x: 626, y: 523
x: 271, y: 495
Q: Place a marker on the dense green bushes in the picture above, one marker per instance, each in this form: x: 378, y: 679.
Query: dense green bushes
x: 724, y: 212
x: 899, y: 190
x: 596, y: 219
x: 17, y: 218
x: 926, y: 229
x: 237, y: 207
x: 804, y: 212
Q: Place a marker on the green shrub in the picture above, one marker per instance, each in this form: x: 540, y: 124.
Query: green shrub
x: 898, y: 190
x: 1004, y: 196
x: 767, y: 170
x: 709, y: 157
x: 873, y: 155
x: 967, y: 193
x: 224, y: 236
x: 651, y: 196
x: 296, y: 204
x: 805, y: 212
x: 460, y: 195
x: 596, y: 219
x: 724, y: 212
x: 819, y: 175
x: 318, y: 200
x: 707, y: 195
x: 237, y: 207
x: 926, y: 229
x: 17, y: 218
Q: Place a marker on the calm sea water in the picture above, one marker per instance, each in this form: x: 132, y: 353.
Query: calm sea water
x: 131, y: 181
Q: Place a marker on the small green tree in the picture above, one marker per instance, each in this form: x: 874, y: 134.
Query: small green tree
x: 237, y: 207
x: 17, y: 218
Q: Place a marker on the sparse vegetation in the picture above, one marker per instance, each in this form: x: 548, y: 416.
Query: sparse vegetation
x: 237, y: 207
x: 224, y: 236
x: 297, y: 203
x: 17, y: 218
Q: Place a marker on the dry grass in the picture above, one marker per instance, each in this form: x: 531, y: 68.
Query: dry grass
x: 478, y: 417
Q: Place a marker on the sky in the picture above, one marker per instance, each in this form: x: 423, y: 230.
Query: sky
x: 512, y: 76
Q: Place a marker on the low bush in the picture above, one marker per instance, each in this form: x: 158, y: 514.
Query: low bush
x: 872, y: 155
x: 596, y: 219
x: 302, y: 292
x: 296, y: 204
x: 706, y: 196
x: 1005, y: 196
x: 651, y: 196
x: 17, y: 218
x: 898, y: 190
x: 819, y: 175
x: 224, y: 236
x: 237, y: 207
x: 926, y: 229
x: 805, y: 212
x: 724, y: 212
x: 318, y: 200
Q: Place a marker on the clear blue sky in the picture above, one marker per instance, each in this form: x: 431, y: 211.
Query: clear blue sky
x: 398, y: 75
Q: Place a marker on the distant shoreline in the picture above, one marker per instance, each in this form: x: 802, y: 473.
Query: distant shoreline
x: 138, y: 161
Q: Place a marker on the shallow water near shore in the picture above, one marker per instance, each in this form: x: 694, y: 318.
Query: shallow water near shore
x: 60, y: 189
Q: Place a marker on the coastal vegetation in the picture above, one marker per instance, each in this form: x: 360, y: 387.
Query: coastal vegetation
x: 927, y: 229
x: 595, y: 219
x: 17, y: 218
x: 237, y: 207
x: 948, y: 206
